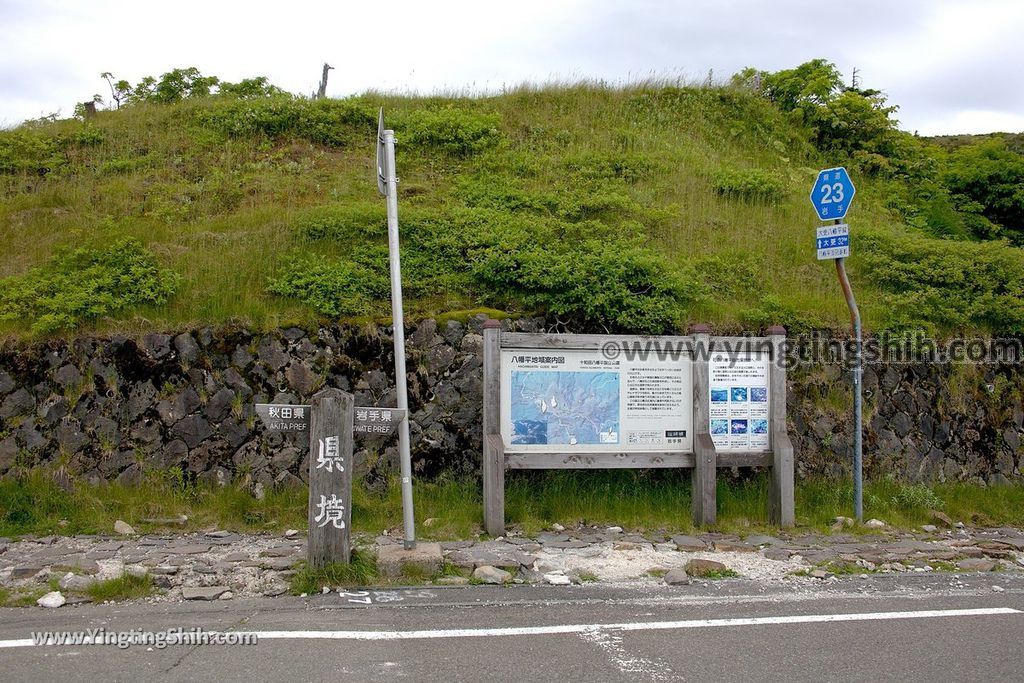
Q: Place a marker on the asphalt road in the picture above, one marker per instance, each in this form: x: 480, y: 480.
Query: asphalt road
x: 934, y: 628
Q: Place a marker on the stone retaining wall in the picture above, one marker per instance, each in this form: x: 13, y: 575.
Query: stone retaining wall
x: 117, y: 408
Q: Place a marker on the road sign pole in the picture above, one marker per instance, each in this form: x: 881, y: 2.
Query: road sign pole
x: 398, y: 320
x: 831, y: 196
x: 858, y: 490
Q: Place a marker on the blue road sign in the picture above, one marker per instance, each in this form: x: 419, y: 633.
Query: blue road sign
x: 833, y: 241
x: 832, y: 193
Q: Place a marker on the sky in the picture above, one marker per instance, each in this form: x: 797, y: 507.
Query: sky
x: 952, y: 67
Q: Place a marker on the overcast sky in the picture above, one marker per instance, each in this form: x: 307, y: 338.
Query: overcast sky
x: 953, y: 67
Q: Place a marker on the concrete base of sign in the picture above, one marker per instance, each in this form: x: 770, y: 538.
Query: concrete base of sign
x: 425, y: 558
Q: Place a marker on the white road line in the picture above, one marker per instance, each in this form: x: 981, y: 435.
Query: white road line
x: 586, y: 628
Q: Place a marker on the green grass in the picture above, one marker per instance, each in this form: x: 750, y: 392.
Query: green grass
x: 225, y: 194
x: 648, y: 499
x: 652, y: 500
x: 361, y: 571
x: 34, y: 503
x: 124, y: 587
x: 715, y: 574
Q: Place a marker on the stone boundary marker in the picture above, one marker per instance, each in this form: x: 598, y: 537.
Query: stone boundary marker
x: 694, y: 407
x: 332, y: 421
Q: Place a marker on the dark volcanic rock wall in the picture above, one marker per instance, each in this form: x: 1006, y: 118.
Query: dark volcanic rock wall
x: 118, y: 408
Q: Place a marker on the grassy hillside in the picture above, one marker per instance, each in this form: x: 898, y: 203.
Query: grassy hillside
x: 639, y: 208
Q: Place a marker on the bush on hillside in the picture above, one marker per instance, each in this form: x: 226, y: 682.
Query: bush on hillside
x: 456, y: 131
x: 590, y: 273
x: 85, y: 284
x: 750, y: 184
x: 989, y: 177
x: 935, y: 285
x: 326, y: 122
x: 332, y: 287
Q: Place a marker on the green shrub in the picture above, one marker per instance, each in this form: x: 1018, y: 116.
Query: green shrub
x: 24, y: 150
x: 327, y: 122
x: 332, y: 287
x: 453, y: 130
x: 771, y: 310
x: 345, y: 222
x: 750, y: 184
x: 497, y: 193
x: 609, y: 166
x: 941, y: 285
x: 589, y: 272
x: 84, y: 284
x: 615, y: 285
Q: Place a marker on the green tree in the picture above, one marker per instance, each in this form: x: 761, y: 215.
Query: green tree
x: 120, y: 90
x: 249, y: 89
x: 989, y: 178
x: 173, y: 86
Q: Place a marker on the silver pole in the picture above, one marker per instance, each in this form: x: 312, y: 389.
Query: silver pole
x: 398, y: 321
x: 858, y: 483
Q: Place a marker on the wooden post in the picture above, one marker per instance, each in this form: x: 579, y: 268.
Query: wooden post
x: 330, y: 477
x: 705, y: 465
x: 493, y: 448
x: 780, y: 498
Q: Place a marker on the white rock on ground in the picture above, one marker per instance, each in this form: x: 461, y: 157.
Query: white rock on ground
x: 489, y: 574
x: 626, y: 565
x: 53, y: 599
x: 874, y: 524
x: 557, y: 579
x: 124, y: 528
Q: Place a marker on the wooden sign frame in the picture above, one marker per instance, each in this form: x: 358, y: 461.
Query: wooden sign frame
x: 704, y: 459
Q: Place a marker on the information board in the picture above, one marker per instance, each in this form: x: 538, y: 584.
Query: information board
x: 583, y: 401
x: 738, y: 402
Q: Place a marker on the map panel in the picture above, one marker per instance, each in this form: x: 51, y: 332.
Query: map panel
x: 565, y: 407
x: 591, y: 401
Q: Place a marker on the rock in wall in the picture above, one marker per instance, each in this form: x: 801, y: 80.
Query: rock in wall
x: 120, y: 408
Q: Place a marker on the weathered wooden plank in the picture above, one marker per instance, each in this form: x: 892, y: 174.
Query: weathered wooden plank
x: 701, y: 396
x: 330, y: 478
x: 493, y: 447
x: 736, y: 459
x: 704, y: 456
x: 524, y: 340
x: 566, y: 461
x: 782, y: 509
x: 781, y: 495
x: 705, y: 503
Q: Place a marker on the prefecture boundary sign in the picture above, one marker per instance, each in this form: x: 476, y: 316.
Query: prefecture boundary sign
x: 562, y: 401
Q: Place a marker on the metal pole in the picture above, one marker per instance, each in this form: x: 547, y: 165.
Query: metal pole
x: 858, y: 483
x: 398, y: 318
